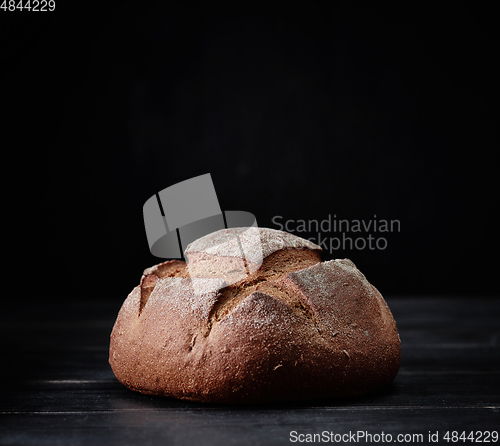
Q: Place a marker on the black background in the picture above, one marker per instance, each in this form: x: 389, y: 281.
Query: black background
x: 295, y: 111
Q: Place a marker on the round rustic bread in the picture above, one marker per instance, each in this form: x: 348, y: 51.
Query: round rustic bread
x: 247, y: 321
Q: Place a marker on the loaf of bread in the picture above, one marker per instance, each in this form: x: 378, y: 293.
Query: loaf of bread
x: 254, y: 316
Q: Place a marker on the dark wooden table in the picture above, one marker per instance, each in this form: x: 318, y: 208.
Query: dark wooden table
x: 58, y: 389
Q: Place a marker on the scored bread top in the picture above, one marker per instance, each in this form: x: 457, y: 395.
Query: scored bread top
x: 254, y: 244
x: 238, y: 256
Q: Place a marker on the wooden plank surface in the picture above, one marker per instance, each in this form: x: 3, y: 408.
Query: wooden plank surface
x: 57, y: 386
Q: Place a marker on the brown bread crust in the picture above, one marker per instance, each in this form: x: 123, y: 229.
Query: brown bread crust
x: 294, y: 329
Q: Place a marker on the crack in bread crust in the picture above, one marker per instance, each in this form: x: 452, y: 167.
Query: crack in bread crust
x: 264, y: 279
x: 150, y: 277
